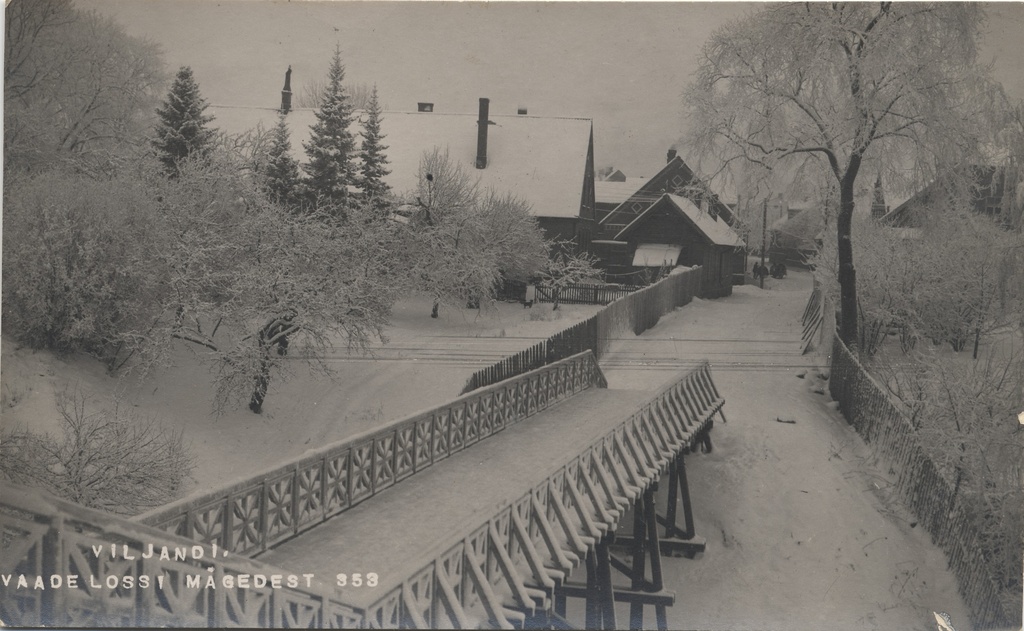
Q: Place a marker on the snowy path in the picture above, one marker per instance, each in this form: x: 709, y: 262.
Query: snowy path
x: 800, y: 532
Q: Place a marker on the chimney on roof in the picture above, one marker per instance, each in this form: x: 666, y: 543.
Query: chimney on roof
x: 878, y: 207
x: 521, y: 111
x: 481, y: 134
x: 671, y: 155
x: 424, y: 107
x: 286, y: 93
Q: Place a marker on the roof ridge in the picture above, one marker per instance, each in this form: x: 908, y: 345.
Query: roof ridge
x: 385, y: 112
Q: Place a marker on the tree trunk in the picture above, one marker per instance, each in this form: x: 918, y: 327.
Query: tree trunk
x: 259, y: 392
x: 433, y: 312
x: 847, y: 274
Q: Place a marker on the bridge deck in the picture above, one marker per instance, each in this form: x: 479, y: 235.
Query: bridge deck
x: 411, y: 523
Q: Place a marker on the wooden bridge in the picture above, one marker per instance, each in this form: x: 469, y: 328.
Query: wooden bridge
x: 488, y: 504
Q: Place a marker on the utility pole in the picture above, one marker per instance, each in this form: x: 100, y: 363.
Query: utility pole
x: 764, y: 236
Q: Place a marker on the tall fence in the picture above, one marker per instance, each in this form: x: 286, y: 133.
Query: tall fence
x: 636, y: 312
x: 942, y: 511
x: 252, y: 514
x: 86, y: 568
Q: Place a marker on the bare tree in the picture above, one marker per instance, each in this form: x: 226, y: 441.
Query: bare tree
x: 111, y: 459
x: 835, y: 86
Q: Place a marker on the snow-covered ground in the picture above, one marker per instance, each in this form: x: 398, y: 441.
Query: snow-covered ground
x: 425, y: 362
x: 801, y: 533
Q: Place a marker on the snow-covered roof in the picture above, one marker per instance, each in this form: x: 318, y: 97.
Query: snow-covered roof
x: 714, y: 229
x: 539, y: 159
x: 612, y: 192
x: 656, y: 255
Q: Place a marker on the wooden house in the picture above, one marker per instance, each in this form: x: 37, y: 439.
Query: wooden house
x: 675, y: 179
x: 672, y: 231
x: 609, y: 194
x: 990, y: 193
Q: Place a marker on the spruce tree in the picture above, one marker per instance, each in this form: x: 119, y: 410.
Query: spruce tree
x: 373, y: 168
x: 331, y: 146
x: 281, y: 176
x: 182, y: 129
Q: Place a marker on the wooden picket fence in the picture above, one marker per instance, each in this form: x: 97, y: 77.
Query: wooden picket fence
x: 585, y: 294
x: 955, y: 524
x: 635, y: 311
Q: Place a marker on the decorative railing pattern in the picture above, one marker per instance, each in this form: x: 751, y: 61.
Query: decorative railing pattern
x: 636, y: 312
x: 923, y: 488
x: 494, y: 575
x: 44, y: 538
x: 251, y: 515
x: 508, y: 566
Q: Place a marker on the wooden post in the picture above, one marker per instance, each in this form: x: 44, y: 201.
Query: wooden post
x: 676, y: 541
x: 657, y: 581
x: 604, y: 577
x: 593, y: 606
x: 636, y: 609
x: 764, y: 237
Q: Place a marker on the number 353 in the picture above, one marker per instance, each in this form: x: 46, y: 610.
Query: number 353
x: 357, y: 580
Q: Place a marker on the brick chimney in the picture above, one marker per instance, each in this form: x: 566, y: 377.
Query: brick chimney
x: 481, y: 134
x: 286, y: 93
x: 671, y: 155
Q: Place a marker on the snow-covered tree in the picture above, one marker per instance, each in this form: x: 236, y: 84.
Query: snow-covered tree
x: 332, y: 147
x: 183, y: 129
x: 463, y: 241
x: 78, y: 90
x: 250, y: 285
x: 836, y: 85
x: 567, y: 266
x: 281, y: 172
x: 373, y: 168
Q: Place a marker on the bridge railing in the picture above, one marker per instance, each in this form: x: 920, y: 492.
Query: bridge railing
x: 495, y: 572
x: 85, y: 568
x: 249, y: 515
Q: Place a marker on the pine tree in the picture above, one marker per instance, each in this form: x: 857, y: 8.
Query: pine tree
x: 182, y: 130
x: 373, y: 170
x: 281, y: 176
x: 331, y: 145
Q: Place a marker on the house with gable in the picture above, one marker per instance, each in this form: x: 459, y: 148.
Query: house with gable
x: 672, y: 231
x: 669, y: 219
x: 546, y: 161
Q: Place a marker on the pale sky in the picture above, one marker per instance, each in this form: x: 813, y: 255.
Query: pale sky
x: 623, y: 64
